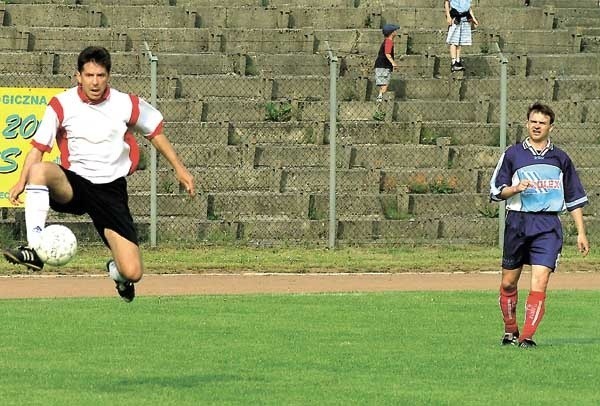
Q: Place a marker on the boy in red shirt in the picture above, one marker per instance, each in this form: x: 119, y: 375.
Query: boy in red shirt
x: 385, y: 64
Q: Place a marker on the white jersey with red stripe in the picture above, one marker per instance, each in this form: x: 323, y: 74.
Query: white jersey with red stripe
x: 94, y: 138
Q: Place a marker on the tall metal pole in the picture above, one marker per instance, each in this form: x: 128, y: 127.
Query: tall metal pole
x: 332, y: 141
x: 153, y: 154
x: 503, y: 129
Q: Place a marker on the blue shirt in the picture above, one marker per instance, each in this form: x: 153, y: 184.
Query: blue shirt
x: 556, y: 185
x: 460, y: 5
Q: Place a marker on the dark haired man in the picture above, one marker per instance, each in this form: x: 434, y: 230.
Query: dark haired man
x: 538, y: 181
x: 91, y: 125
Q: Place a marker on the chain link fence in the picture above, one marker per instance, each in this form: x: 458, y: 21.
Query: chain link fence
x: 249, y: 112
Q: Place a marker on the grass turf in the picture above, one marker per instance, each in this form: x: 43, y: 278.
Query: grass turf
x: 417, y: 348
x: 92, y: 259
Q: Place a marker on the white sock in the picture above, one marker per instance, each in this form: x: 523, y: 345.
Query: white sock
x: 113, y: 272
x: 457, y: 60
x: 37, y: 205
x: 453, y: 61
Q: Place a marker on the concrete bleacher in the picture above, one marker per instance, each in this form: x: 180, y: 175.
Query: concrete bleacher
x: 259, y: 180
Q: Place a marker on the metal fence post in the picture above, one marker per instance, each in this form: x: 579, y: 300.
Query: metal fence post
x: 503, y: 129
x: 153, y: 155
x: 332, y: 141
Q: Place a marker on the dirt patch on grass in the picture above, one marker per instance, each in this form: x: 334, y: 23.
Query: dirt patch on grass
x: 49, y: 285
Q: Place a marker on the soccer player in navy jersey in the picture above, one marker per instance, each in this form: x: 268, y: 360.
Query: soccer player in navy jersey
x: 92, y: 126
x: 538, y: 181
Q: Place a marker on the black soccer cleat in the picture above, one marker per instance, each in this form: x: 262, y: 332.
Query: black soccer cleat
x: 527, y: 343
x: 510, y: 339
x: 24, y: 256
x: 125, y: 289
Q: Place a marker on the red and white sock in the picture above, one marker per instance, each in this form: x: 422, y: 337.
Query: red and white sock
x: 534, y: 312
x: 508, y: 306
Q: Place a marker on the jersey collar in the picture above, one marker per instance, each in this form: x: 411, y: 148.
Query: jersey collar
x: 85, y: 99
x: 527, y: 145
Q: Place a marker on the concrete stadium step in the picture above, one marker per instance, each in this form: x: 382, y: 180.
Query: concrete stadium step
x: 543, y: 41
x: 351, y: 206
x: 486, y: 88
x: 122, y: 16
x: 215, y: 133
x: 566, y: 3
x: 96, y: 2
x: 463, y: 133
x: 383, y: 232
x: 180, y: 109
x: 73, y: 39
x: 267, y: 41
x: 168, y: 204
x: 430, y: 110
x: 27, y: 62
x: 297, y: 156
x: 563, y: 65
x: 317, y: 88
x: 212, y: 180
x: 224, y: 86
x: 409, y: 180
x: 286, y: 64
x: 224, y: 3
x: 398, y: 156
x: 376, y: 132
x: 243, y: 17
x: 566, y: 133
x: 452, y: 229
x: 557, y: 41
x: 455, y: 204
x: 237, y: 110
x: 330, y: 17
x: 273, y: 231
x: 266, y: 132
x: 578, y: 16
x: 583, y: 156
x: 171, y: 40
x: 136, y: 63
x: 473, y: 156
x: 316, y: 180
x: 569, y: 113
x: 214, y: 155
x: 583, y: 88
x: 237, y: 205
x: 124, y: 2
x: 35, y: 80
x: 408, y: 66
x: 66, y: 39
x: 50, y: 15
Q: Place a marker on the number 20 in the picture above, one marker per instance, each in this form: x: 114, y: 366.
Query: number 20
x: 16, y: 125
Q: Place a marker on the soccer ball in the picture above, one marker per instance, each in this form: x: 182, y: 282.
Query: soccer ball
x: 57, y: 245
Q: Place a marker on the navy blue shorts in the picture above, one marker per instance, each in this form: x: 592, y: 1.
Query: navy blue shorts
x: 107, y: 205
x: 532, y: 239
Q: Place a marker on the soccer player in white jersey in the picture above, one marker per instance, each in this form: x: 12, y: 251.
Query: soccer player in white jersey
x: 91, y: 125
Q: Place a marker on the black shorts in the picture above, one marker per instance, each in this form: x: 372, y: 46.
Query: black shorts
x: 107, y: 205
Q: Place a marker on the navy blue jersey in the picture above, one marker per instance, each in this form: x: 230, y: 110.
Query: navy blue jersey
x: 555, y: 185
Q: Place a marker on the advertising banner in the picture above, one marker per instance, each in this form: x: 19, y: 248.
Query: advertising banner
x: 21, y: 110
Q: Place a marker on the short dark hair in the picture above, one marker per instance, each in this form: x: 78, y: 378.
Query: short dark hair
x: 544, y: 109
x: 99, y: 55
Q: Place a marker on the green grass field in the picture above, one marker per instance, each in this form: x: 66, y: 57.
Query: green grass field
x: 169, y: 259
x: 410, y: 348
